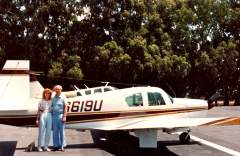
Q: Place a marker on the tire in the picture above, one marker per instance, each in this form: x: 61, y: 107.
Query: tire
x: 184, y: 138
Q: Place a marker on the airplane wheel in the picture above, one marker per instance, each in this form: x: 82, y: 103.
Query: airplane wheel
x: 184, y: 138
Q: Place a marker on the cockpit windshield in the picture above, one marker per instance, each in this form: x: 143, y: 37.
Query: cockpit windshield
x: 155, y: 98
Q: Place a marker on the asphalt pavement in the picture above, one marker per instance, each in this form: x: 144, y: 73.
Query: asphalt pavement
x: 223, y: 139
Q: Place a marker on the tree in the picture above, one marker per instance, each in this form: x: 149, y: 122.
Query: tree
x: 67, y: 66
x: 185, y: 44
x: 224, y: 59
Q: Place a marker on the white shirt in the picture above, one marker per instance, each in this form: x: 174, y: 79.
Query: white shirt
x: 45, y: 105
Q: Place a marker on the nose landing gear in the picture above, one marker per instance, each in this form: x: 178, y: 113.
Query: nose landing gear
x: 184, y: 137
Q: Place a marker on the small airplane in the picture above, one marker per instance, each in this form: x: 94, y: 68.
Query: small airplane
x: 112, y: 114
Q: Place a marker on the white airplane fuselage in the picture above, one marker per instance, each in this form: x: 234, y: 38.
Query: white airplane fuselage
x: 124, y: 106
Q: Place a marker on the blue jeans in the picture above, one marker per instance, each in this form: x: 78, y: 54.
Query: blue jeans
x: 45, y: 125
x: 58, y: 131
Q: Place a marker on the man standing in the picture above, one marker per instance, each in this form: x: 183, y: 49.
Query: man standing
x: 59, y: 113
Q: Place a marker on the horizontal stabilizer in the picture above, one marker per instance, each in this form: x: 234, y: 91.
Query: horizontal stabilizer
x: 16, y: 65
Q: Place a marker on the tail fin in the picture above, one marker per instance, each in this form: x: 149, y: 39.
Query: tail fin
x: 14, y: 83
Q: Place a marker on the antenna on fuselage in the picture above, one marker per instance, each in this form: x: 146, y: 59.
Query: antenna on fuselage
x: 106, y: 83
x: 75, y: 87
x: 171, y: 90
x: 85, y: 86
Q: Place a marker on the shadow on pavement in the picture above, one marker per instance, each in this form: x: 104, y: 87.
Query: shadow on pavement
x: 175, y: 142
x: 126, y: 147
x: 130, y: 147
x: 7, y: 148
x: 72, y: 146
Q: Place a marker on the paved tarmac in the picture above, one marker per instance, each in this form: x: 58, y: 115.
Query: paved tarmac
x: 14, y: 140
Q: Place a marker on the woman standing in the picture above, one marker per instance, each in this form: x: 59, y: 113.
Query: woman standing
x: 44, y: 120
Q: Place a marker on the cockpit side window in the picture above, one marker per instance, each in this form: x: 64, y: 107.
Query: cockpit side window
x: 87, y: 92
x: 134, y: 100
x: 98, y: 90
x: 155, y: 99
x: 107, y: 89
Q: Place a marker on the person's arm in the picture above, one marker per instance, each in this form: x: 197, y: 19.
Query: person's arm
x: 38, y: 114
x: 64, y: 111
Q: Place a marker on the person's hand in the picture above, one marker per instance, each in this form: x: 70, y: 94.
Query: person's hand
x: 64, y: 119
x: 37, y: 122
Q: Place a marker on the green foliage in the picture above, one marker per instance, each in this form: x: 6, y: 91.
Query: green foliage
x: 192, y: 43
x: 173, y: 65
x: 112, y: 58
x: 75, y: 72
x: 154, y: 50
x: 66, y: 66
x: 224, y: 59
x: 55, y: 70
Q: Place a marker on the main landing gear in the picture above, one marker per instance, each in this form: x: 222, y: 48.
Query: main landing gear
x: 185, y: 137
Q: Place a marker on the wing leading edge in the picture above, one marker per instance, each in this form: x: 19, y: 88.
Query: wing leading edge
x: 168, y: 123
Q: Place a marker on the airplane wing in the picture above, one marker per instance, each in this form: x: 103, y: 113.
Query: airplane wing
x: 164, y: 123
x: 219, y: 116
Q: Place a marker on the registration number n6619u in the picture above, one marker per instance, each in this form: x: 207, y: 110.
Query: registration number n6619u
x: 84, y: 106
